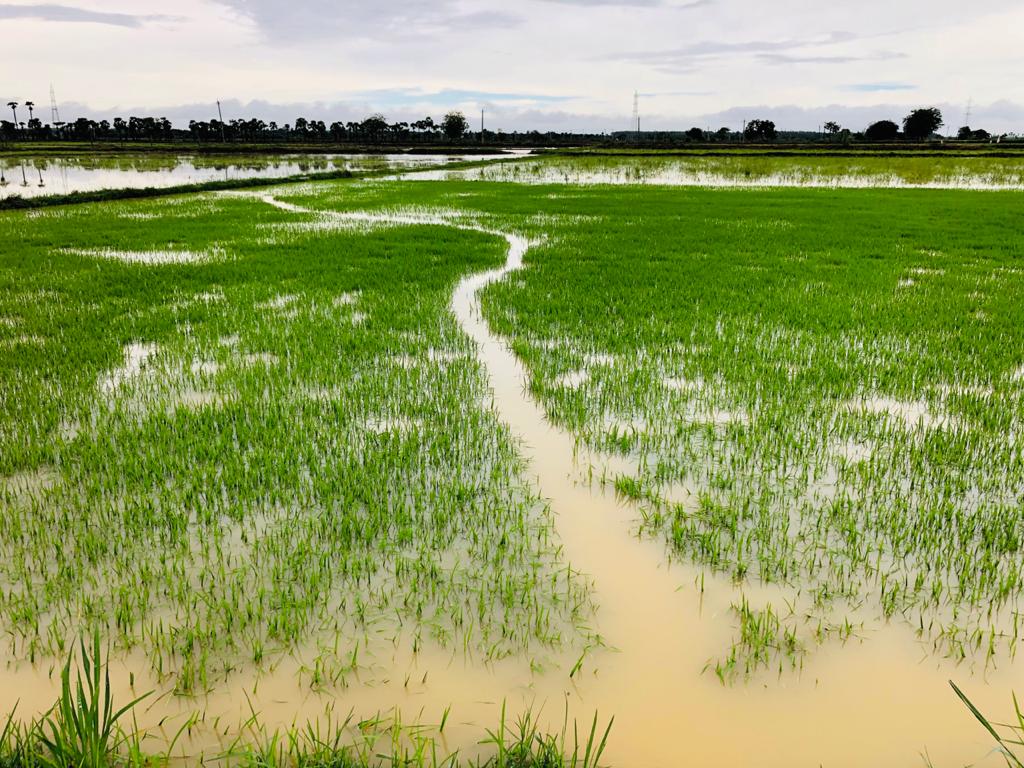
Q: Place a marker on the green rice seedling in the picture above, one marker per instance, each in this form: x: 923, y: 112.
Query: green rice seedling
x: 788, y: 377
x: 83, y: 728
x: 243, y: 430
x: 754, y: 170
x: 764, y: 639
x: 522, y: 744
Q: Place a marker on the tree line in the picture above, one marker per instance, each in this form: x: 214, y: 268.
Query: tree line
x: 920, y: 124
x: 373, y: 129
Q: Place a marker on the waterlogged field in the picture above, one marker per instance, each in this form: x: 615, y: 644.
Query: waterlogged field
x: 754, y: 169
x: 739, y: 468
x: 42, y: 176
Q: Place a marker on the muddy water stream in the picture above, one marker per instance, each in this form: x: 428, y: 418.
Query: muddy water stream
x: 875, y: 701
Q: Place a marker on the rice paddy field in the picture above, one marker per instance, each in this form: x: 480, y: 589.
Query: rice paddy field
x: 867, y: 169
x: 399, y: 468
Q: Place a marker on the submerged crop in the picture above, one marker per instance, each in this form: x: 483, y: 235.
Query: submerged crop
x: 224, y: 461
x: 303, y: 457
x: 830, y: 405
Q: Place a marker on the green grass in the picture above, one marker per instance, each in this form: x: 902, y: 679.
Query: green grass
x: 817, y: 389
x: 741, y: 350
x: 307, y: 457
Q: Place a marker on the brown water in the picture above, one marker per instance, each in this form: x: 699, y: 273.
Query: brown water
x: 876, y: 701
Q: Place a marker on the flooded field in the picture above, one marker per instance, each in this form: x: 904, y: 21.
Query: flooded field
x: 37, y: 176
x: 739, y: 469
x: 752, y: 170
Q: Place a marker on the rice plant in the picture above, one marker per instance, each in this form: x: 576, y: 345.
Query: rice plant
x: 83, y: 728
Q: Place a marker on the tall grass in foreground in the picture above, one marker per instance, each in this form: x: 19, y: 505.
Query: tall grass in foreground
x: 83, y: 730
x: 1007, y: 744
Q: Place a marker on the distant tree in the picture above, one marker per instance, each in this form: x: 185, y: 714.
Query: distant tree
x: 14, y: 110
x: 399, y: 130
x: 883, y: 130
x: 30, y: 105
x: 922, y: 123
x: 373, y: 127
x: 832, y: 128
x: 426, y: 125
x: 760, y: 130
x: 966, y: 134
x: 723, y: 134
x: 695, y: 134
x: 83, y: 128
x: 454, y: 126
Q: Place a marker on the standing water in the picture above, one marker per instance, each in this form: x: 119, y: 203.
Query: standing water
x: 875, y: 701
x: 39, y: 176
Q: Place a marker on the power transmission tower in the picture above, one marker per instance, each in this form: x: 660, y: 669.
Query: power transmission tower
x: 221, y: 116
x: 636, y: 113
x: 54, y: 112
x: 967, y: 114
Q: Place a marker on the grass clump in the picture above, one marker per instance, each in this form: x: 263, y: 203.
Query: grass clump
x: 84, y: 730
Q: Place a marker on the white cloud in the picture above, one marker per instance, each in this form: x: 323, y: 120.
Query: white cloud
x: 573, y: 63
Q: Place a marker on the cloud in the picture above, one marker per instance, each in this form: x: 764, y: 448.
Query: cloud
x: 878, y: 87
x: 68, y: 13
x: 395, y: 20
x: 785, y: 58
x: 687, y: 57
x: 635, y: 3
x: 449, y: 97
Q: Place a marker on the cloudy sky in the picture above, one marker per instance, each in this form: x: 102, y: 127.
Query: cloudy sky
x: 545, y: 64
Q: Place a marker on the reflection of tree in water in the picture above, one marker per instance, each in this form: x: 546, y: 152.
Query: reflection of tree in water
x: 94, y: 172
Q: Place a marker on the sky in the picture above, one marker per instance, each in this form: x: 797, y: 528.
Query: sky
x: 529, y: 64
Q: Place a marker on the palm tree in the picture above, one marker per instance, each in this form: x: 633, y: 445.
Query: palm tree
x: 14, y: 108
x: 30, y: 105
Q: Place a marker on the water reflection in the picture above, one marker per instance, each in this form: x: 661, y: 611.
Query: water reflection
x: 89, y: 173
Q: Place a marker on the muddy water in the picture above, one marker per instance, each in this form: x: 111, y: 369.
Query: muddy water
x: 876, y: 701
